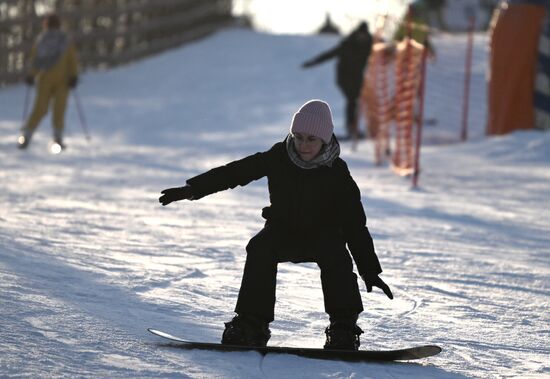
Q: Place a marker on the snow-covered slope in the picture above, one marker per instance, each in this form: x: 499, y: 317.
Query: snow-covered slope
x: 89, y: 259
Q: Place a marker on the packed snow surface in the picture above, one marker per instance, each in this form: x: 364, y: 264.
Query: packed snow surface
x: 89, y: 259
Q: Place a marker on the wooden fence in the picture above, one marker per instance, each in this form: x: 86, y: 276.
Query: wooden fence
x: 106, y: 32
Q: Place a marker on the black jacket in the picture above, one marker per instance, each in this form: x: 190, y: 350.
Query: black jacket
x: 352, y: 54
x: 309, y: 203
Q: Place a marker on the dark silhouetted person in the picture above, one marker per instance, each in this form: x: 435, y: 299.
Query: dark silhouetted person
x: 415, y: 24
x: 352, y: 54
x: 328, y: 27
x: 53, y: 66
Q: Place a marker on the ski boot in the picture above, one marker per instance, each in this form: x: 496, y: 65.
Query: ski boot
x: 246, y: 330
x: 24, y: 139
x: 343, y: 334
x: 57, y: 145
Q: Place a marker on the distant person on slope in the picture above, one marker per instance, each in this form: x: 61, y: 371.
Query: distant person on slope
x: 54, y: 67
x: 353, y: 53
x: 415, y: 24
x: 315, y: 211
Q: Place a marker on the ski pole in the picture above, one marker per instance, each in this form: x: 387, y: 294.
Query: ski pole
x: 26, y: 103
x: 81, y: 115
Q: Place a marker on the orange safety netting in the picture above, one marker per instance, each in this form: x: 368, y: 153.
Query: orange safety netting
x: 376, y: 99
x: 408, y: 65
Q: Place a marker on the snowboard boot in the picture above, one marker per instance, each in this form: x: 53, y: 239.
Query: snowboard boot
x: 246, y: 330
x: 343, y: 333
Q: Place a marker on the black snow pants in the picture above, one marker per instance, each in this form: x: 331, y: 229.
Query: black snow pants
x: 351, y: 89
x: 270, y: 247
x: 352, y: 114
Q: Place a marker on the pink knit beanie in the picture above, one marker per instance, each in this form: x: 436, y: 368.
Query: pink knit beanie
x: 315, y: 118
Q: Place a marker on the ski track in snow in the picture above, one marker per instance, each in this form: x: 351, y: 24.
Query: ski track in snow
x: 89, y: 259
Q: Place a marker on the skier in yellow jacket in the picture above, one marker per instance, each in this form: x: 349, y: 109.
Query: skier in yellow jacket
x: 53, y: 65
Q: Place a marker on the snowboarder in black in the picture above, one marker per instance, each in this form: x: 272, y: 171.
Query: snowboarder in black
x: 353, y: 54
x: 315, y: 211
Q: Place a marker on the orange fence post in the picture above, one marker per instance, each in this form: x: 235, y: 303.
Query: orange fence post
x: 467, y: 76
x: 420, y: 118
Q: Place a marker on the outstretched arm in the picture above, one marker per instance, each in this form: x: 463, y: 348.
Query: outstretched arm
x: 175, y: 194
x: 322, y: 57
x: 237, y: 173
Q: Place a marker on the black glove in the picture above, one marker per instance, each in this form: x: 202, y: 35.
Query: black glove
x: 73, y: 81
x: 29, y: 79
x: 175, y: 194
x: 373, y: 280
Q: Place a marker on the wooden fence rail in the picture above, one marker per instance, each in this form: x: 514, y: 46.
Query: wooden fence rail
x: 106, y: 32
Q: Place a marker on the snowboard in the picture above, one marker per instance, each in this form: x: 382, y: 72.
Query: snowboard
x: 410, y: 353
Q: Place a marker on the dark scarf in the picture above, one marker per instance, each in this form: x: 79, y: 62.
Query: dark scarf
x: 329, y: 152
x: 49, y: 47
